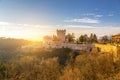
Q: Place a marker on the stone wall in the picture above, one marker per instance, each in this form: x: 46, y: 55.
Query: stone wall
x: 108, y: 48
x: 84, y: 47
x: 61, y: 35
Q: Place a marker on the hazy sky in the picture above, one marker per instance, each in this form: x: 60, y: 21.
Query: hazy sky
x: 32, y: 19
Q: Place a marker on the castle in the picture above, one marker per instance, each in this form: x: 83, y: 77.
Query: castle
x: 60, y: 40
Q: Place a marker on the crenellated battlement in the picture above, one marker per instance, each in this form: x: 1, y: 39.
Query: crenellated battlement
x: 61, y: 30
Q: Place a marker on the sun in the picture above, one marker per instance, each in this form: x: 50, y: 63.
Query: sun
x: 41, y: 39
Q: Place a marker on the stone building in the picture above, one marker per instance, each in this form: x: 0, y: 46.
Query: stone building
x: 113, y: 48
x: 61, y: 34
x: 116, y: 38
x: 108, y: 48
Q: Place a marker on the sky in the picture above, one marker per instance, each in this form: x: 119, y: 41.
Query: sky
x: 33, y: 19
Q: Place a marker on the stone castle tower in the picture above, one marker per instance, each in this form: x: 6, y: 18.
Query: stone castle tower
x: 61, y: 35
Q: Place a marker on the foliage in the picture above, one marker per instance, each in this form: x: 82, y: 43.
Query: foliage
x: 92, y: 66
x: 57, y: 64
x: 105, y: 39
x: 85, y: 39
x: 8, y: 44
x: 70, y: 38
x: 33, y: 64
x: 93, y: 38
x: 55, y: 38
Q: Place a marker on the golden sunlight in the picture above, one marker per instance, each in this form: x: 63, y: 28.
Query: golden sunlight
x: 41, y: 39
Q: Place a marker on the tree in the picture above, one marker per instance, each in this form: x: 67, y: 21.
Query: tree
x: 105, y: 39
x: 70, y: 37
x: 55, y: 38
x: 83, y: 39
x: 93, y: 38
